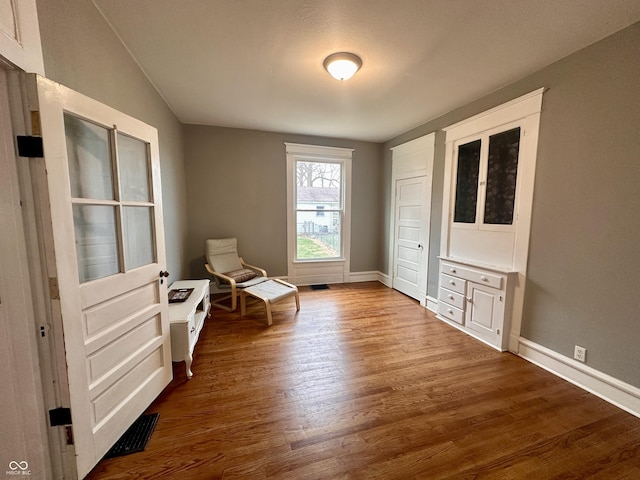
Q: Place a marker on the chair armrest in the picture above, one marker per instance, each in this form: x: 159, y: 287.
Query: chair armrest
x: 221, y: 276
x: 259, y: 270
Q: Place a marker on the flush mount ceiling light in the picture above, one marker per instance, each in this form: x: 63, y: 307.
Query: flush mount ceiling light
x: 342, y: 65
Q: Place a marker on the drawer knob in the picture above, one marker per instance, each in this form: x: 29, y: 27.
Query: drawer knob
x: 450, y: 312
x: 450, y: 297
x: 452, y: 282
x: 453, y: 270
x: 193, y: 329
x: 484, y: 279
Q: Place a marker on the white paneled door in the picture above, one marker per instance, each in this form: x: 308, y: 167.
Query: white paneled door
x: 410, y: 260
x: 108, y: 261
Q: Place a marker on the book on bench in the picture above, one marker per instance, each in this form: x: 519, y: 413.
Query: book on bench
x: 179, y: 295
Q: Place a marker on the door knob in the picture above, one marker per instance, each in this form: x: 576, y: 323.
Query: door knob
x: 164, y: 274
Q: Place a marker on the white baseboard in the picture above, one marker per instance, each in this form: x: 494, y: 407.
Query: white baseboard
x: 432, y: 304
x: 384, y: 279
x: 302, y: 280
x: 355, y: 277
x: 614, y: 391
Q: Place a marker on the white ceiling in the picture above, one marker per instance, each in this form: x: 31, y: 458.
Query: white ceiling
x: 257, y: 64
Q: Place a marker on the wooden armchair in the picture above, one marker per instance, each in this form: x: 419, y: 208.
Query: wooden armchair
x: 230, y: 273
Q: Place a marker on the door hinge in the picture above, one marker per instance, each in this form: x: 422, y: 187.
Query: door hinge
x: 60, y: 416
x: 30, y: 146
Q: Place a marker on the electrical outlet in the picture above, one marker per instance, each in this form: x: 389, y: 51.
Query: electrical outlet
x: 580, y: 354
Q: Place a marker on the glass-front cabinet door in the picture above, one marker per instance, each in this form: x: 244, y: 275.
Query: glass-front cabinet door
x: 466, y: 203
x: 486, y: 176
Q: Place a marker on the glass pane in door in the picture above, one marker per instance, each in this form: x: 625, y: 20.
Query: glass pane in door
x: 134, y: 169
x: 467, y: 182
x: 502, y: 171
x: 96, y: 243
x: 138, y: 236
x: 89, y: 154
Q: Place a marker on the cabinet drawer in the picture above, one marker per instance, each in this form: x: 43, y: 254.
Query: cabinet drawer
x: 452, y: 298
x: 473, y: 275
x: 452, y: 283
x: 451, y: 312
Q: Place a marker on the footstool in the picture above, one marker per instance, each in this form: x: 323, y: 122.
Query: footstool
x: 270, y: 292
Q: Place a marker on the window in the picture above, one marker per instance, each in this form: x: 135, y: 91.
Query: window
x: 318, y: 234
x: 318, y: 213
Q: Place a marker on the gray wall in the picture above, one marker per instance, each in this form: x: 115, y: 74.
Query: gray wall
x: 584, y: 260
x: 237, y: 187
x: 81, y: 51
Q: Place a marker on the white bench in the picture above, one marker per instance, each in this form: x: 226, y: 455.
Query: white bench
x: 187, y: 319
x: 270, y: 292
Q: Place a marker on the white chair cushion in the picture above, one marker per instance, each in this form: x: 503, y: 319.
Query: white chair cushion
x: 227, y: 262
x: 222, y: 255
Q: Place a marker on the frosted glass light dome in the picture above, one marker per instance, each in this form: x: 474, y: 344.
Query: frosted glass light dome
x: 342, y: 65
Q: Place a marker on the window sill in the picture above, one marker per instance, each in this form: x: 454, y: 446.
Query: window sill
x: 319, y: 260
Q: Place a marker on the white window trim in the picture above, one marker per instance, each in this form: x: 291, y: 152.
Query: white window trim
x: 334, y: 270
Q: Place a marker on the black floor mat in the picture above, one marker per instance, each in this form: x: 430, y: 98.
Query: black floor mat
x: 136, y: 437
x: 322, y: 286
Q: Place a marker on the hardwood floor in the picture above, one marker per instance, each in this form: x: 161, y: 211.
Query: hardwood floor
x: 364, y: 383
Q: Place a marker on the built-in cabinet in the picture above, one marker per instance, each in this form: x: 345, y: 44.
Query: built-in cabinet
x: 488, y: 192
x: 476, y: 299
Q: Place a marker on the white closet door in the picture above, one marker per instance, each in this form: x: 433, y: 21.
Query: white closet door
x: 410, y: 265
